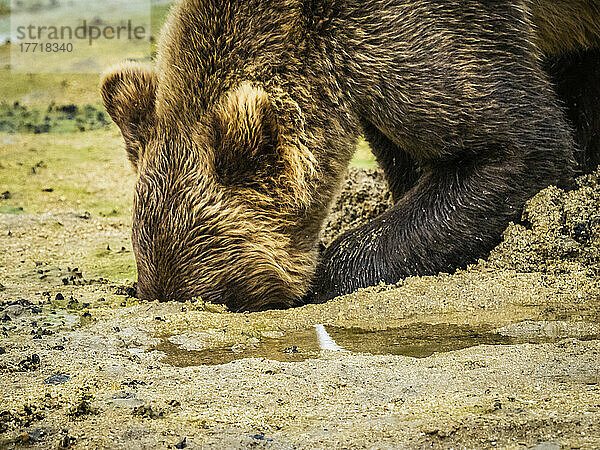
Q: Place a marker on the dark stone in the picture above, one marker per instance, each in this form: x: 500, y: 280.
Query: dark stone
x: 57, y: 378
x: 581, y: 233
x: 261, y: 437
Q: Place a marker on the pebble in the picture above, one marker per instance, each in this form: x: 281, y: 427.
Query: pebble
x: 14, y: 310
x: 57, y: 378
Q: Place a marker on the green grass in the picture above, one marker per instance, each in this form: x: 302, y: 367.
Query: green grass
x: 363, y: 158
x: 79, y: 172
x: 159, y: 14
x: 112, y: 264
x: 7, y: 209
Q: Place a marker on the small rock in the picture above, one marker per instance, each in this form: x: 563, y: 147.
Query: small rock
x: 581, y: 232
x: 43, y: 332
x: 122, y: 395
x: 567, y: 246
x: 83, y: 408
x: 182, y: 443
x: 126, y: 399
x: 148, y: 412
x: 57, y: 378
x: 547, y: 446
x: 14, y: 311
x: 134, y: 383
x: 129, y: 291
x: 74, y: 304
x: 30, y: 363
x: 261, y: 437
x: 38, y: 434
x: 23, y: 438
x: 66, y: 441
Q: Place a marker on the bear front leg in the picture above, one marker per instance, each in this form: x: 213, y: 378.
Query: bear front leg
x: 455, y: 214
x: 400, y: 170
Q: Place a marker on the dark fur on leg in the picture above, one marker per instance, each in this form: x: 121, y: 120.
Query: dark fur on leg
x: 576, y: 77
x: 400, y: 170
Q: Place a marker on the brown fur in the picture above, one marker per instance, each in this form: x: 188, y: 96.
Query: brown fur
x: 566, y: 25
x: 129, y: 94
x: 242, y: 132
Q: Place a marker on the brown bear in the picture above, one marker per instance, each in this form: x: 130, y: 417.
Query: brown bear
x: 243, y: 130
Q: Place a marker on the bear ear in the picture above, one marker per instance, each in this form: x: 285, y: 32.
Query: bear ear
x: 129, y: 94
x: 256, y: 148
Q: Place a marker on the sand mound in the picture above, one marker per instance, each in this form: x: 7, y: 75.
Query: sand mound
x: 560, y: 232
x: 365, y: 195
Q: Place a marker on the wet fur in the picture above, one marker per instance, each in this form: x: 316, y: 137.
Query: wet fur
x: 249, y: 120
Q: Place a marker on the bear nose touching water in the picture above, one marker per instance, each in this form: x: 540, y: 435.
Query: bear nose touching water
x: 242, y: 131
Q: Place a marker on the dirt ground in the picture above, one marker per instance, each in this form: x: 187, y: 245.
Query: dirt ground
x: 504, y: 354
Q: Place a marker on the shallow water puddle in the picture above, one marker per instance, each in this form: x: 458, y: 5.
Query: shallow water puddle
x: 292, y: 347
x: 417, y: 340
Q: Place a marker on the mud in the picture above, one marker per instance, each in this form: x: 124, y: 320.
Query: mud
x: 504, y: 354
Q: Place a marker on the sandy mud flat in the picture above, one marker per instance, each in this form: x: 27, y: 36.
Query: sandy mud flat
x: 503, y: 354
